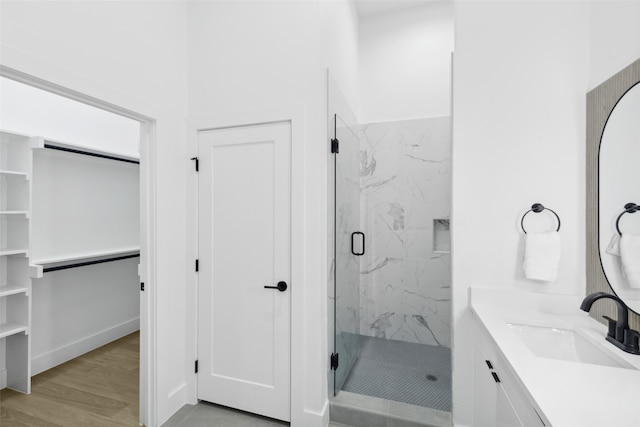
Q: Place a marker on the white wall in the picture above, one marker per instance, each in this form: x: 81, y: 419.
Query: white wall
x: 615, y: 38
x: 257, y: 56
x: 341, y: 45
x: 521, y: 73
x: 31, y: 111
x: 133, y: 55
x: 77, y: 310
x: 405, y: 63
x: 82, y: 205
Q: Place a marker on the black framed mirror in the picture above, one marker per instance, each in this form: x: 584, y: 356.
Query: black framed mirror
x: 613, y: 147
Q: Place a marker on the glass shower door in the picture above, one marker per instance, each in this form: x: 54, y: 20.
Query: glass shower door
x: 346, y: 263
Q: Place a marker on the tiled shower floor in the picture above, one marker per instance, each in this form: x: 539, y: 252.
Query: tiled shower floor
x: 417, y: 374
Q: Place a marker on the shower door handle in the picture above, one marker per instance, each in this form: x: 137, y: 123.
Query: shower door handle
x: 282, y: 286
x: 352, y: 243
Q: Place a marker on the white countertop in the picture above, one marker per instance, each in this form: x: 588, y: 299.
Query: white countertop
x: 570, y: 394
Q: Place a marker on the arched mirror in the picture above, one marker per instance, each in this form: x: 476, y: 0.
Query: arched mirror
x: 619, y: 185
x: 613, y: 187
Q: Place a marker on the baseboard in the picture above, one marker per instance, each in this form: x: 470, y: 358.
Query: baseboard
x: 3, y: 378
x: 317, y: 419
x: 325, y: 414
x: 67, y: 352
x: 176, y: 399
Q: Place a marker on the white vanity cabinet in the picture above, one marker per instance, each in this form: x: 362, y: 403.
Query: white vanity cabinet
x: 500, y: 400
x: 492, y: 405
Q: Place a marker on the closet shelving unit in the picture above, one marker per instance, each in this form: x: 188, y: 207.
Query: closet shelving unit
x: 42, y: 265
x: 15, y: 283
x: 17, y: 267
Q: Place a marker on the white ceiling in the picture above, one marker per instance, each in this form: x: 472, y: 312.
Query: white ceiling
x: 368, y: 8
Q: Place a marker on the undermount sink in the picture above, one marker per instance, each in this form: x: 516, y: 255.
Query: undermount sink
x: 563, y: 344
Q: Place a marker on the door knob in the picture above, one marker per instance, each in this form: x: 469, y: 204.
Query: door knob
x: 282, y: 286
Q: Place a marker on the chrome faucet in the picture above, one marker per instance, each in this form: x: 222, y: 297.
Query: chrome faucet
x: 619, y: 333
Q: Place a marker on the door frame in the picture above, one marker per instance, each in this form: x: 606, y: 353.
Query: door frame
x: 147, y: 202
x: 294, y: 116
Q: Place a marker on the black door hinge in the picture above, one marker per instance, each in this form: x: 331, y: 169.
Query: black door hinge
x: 197, y: 265
x: 197, y: 163
x: 142, y: 286
x: 495, y: 376
x: 196, y: 367
x: 334, y: 361
x: 335, y: 145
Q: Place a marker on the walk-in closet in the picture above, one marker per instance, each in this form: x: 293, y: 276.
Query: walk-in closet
x: 69, y: 244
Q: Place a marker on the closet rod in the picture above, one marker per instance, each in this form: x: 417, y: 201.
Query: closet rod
x: 89, y: 153
x: 82, y: 264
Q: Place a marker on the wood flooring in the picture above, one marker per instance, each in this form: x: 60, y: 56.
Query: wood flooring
x: 97, y: 389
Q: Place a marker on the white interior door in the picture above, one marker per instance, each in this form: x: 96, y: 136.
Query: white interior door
x: 244, y: 245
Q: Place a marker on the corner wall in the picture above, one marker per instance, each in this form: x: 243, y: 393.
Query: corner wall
x: 405, y: 63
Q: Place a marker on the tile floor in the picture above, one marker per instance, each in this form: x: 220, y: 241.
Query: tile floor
x: 386, y: 369
x: 208, y: 414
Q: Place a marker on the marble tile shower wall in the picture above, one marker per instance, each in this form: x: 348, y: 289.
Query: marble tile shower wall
x: 405, y: 196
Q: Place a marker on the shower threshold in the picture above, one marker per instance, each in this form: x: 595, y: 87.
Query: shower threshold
x: 358, y: 410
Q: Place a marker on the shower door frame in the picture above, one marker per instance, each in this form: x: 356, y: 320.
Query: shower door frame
x: 349, y: 352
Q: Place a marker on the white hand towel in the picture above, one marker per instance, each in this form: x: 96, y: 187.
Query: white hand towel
x: 614, y: 245
x: 630, y: 255
x: 542, y: 256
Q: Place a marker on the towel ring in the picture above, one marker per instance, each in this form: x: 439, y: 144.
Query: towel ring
x: 628, y: 208
x: 537, y: 208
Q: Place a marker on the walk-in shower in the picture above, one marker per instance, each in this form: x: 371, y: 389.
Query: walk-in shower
x: 391, y: 270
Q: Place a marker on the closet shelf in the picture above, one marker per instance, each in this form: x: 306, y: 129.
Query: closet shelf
x: 12, y: 290
x: 14, y: 173
x: 86, y: 256
x: 14, y: 212
x: 8, y: 251
x: 41, y: 266
x: 42, y: 143
x: 10, y: 328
